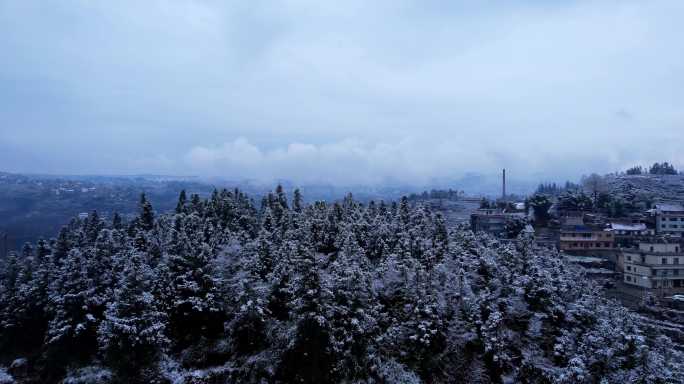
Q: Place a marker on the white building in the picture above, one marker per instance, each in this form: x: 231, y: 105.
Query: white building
x: 655, y: 265
x: 669, y: 219
x: 628, y: 235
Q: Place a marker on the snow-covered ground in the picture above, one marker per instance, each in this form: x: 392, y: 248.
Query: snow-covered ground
x: 5, y: 378
x: 88, y: 375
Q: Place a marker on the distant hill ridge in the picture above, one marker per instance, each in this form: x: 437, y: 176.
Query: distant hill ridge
x: 652, y: 188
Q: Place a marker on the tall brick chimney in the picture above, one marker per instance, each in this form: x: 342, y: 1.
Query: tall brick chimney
x: 503, y: 195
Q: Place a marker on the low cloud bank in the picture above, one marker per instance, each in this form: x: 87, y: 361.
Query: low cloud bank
x: 349, y: 161
x: 412, y: 161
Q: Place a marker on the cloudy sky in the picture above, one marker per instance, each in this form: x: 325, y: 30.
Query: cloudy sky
x: 349, y: 91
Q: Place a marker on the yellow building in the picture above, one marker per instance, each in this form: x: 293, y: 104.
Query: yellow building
x: 583, y: 238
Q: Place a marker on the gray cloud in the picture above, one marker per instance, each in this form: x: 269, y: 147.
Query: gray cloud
x: 348, y: 161
x: 342, y: 92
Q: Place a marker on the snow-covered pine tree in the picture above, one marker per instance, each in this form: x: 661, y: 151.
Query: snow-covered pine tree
x: 9, y: 299
x: 309, y: 357
x: 182, y: 201
x: 72, y: 331
x: 131, y: 336
x: 297, y: 201
x: 194, y: 308
x: 117, y: 222
x: 352, y: 310
x: 146, y: 215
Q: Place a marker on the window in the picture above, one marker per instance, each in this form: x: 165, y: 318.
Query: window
x: 675, y: 272
x: 607, y: 245
x: 663, y: 261
x: 628, y: 278
x: 675, y: 260
x: 629, y: 268
x: 629, y: 258
x: 653, y: 272
x: 651, y: 248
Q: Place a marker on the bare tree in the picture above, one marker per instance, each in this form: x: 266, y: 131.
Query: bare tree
x: 594, y: 184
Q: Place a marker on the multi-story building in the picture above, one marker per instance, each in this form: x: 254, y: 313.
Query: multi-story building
x: 585, y: 238
x: 630, y: 234
x: 488, y: 220
x: 655, y: 265
x: 669, y: 219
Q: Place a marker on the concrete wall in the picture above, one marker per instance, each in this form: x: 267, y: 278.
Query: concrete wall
x: 637, y: 280
x: 659, y: 247
x: 670, y: 223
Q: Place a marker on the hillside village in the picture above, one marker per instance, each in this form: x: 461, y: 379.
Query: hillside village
x: 626, y: 229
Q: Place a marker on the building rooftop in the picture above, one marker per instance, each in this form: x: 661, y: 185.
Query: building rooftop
x: 669, y: 207
x: 489, y: 211
x: 585, y: 259
x: 628, y: 227
x: 583, y: 228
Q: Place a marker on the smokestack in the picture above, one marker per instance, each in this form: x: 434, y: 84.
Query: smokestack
x: 503, y: 196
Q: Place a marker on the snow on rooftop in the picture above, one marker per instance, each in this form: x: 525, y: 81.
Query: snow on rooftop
x: 584, y: 259
x: 599, y: 271
x: 577, y: 228
x: 628, y: 227
x: 668, y: 207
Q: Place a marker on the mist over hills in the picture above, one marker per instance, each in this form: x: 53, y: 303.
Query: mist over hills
x: 34, y: 206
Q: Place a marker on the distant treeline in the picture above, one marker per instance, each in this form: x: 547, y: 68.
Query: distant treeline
x: 656, y: 169
x: 554, y: 189
x: 449, y: 194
